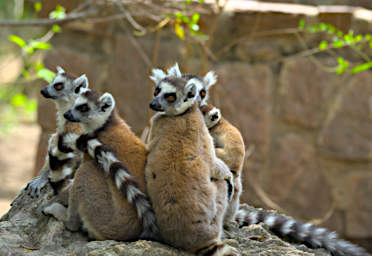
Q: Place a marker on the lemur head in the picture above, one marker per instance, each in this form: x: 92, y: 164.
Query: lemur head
x: 203, y: 83
x: 172, y: 95
x: 64, y: 87
x: 212, y: 115
x: 91, y: 110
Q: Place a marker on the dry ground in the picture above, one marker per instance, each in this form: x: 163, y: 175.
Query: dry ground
x: 17, y: 154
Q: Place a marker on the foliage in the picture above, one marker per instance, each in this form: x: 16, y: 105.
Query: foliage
x: 356, y: 42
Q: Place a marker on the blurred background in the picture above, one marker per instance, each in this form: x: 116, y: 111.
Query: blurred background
x: 294, y: 77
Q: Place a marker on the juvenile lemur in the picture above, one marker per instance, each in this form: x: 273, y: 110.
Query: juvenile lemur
x: 189, y: 206
x: 104, y: 205
x: 58, y: 166
x: 228, y: 141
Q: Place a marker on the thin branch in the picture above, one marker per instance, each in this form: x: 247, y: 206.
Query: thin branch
x: 46, y: 22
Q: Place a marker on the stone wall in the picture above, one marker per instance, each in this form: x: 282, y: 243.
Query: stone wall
x: 311, y: 130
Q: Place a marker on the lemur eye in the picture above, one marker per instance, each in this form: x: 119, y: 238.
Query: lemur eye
x: 170, y: 97
x: 83, y: 108
x: 157, y: 91
x: 203, y: 93
x: 58, y: 86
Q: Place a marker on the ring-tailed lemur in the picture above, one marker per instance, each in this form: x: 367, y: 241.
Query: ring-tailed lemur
x: 189, y: 206
x: 228, y: 141
x: 307, y: 233
x: 230, y: 148
x: 115, y: 148
x: 63, y: 90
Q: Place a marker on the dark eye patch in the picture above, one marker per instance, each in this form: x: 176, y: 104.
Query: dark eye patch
x: 203, y: 93
x: 170, y: 97
x: 77, y: 90
x: 82, y: 108
x: 58, y: 86
x: 157, y: 91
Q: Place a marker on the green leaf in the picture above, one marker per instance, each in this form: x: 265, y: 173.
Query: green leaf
x: 58, y: 13
x: 323, y: 45
x: 18, y: 100
x: 185, y: 19
x: 46, y: 74
x: 340, y: 33
x: 30, y: 50
x: 338, y: 44
x: 322, y: 26
x: 342, y: 65
x: 301, y: 24
x: 180, y: 32
x: 349, y: 39
x: 56, y: 28
x: 188, y: 1
x: 358, y: 38
x: 362, y: 67
x: 370, y: 44
x: 17, y: 40
x: 201, y: 1
x: 195, y: 17
x: 31, y: 106
x: 39, y: 65
x: 331, y: 29
x: 26, y: 74
x: 40, y: 45
x: 38, y: 6
x: 367, y: 37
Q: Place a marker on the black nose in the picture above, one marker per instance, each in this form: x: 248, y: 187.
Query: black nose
x: 155, y: 106
x: 68, y: 115
x: 45, y: 93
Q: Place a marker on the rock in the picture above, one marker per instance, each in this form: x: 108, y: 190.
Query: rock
x: 302, y: 99
x: 295, y: 171
x: 24, y: 230
x: 347, y: 133
x: 359, y: 211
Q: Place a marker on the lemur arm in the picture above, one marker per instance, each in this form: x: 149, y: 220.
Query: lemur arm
x: 222, y: 172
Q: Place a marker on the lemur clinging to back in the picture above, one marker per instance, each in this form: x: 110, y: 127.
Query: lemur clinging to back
x: 109, y: 207
x: 228, y: 141
x: 189, y: 206
x: 63, y: 90
x: 230, y: 148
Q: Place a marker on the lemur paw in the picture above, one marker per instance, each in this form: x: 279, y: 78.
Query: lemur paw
x: 56, y: 210
x: 35, y: 185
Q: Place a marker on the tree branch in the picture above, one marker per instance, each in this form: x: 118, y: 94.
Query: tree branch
x: 47, y: 22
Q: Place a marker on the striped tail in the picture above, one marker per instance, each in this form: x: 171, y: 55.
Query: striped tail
x: 307, y: 233
x: 124, y: 181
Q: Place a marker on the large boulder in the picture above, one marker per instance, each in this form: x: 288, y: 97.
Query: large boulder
x: 24, y: 230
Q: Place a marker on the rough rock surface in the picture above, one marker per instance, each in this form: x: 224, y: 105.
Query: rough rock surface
x: 24, y: 230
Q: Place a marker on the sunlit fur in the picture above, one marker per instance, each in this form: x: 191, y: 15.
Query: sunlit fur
x: 64, y: 100
x: 114, y: 182
x: 189, y: 206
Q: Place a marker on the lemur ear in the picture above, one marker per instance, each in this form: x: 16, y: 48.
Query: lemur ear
x: 79, y: 83
x: 175, y: 71
x: 209, y: 79
x: 157, y: 75
x: 60, y: 70
x: 190, y: 89
x: 106, y: 102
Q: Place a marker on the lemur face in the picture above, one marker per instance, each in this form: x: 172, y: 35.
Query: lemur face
x: 90, y: 109
x: 212, y: 115
x: 203, y: 83
x: 64, y: 87
x: 173, y: 95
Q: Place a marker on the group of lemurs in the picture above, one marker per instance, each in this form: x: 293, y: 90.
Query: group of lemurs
x: 181, y: 188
